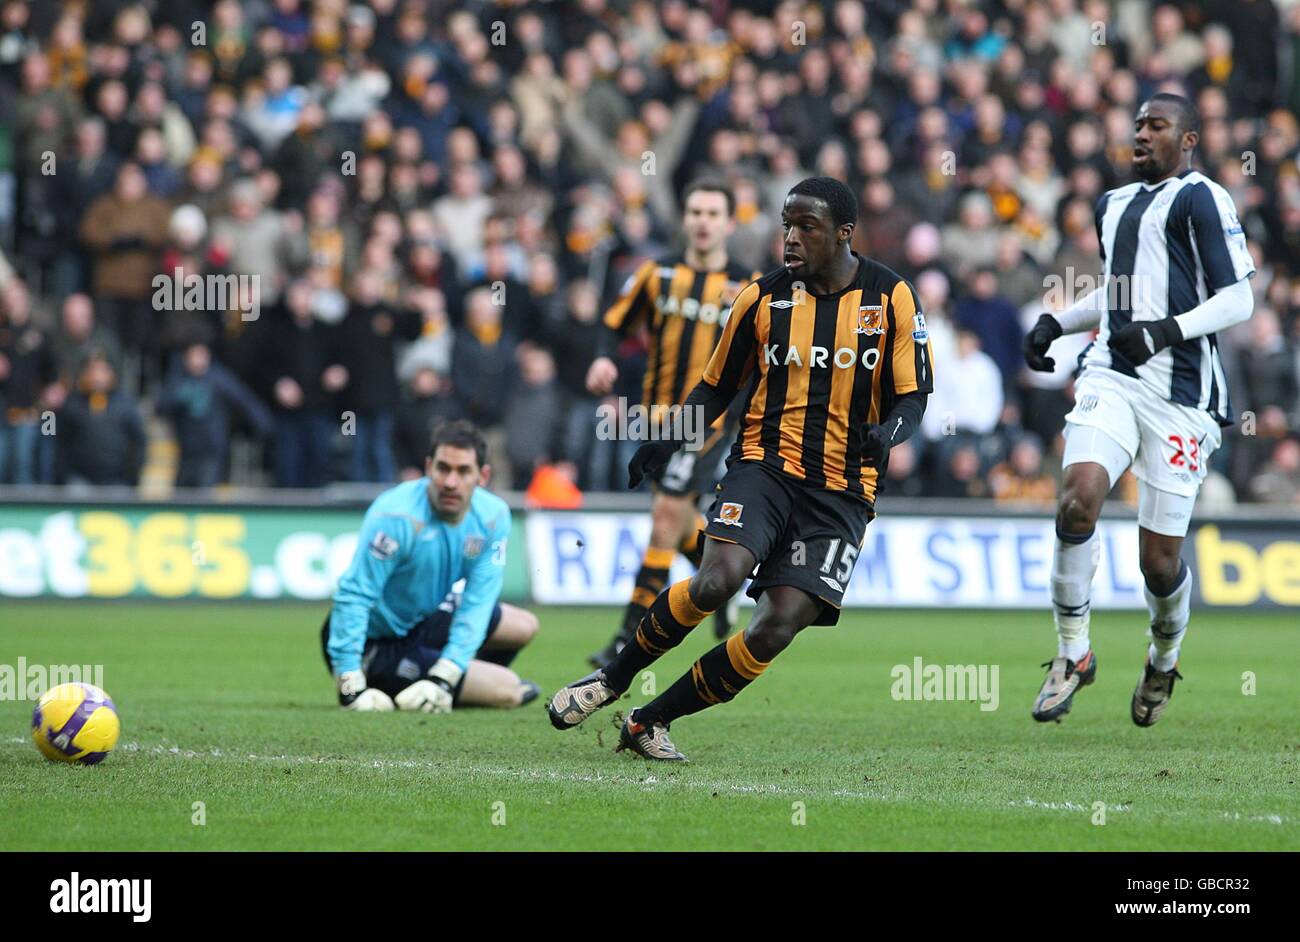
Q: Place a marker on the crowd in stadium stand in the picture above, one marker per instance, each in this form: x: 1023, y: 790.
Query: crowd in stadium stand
x: 440, y: 199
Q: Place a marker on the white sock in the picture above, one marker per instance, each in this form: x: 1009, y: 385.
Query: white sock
x: 1073, y: 566
x: 1169, y: 615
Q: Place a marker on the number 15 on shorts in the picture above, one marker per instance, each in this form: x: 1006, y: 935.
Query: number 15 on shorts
x: 846, y: 560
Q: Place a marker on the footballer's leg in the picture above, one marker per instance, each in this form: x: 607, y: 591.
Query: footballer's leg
x: 722, y: 673
x: 1094, y: 460
x: 749, y: 515
x: 670, y: 618
x: 670, y: 514
x: 1074, y: 563
x: 704, y: 480
x: 514, y: 628
x: 692, y: 547
x: 1177, y: 442
x: 801, y: 582
x: 491, y: 685
x: 1168, y: 589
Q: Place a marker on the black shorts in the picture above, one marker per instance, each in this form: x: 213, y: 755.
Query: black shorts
x: 393, y: 664
x: 801, y: 536
x: 696, y: 472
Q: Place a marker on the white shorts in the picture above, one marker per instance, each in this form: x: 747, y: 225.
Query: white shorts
x: 1168, y: 445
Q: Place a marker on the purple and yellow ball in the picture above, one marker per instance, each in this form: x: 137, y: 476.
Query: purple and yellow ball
x: 75, y: 723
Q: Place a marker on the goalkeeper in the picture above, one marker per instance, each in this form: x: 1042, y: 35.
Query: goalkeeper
x: 396, y: 634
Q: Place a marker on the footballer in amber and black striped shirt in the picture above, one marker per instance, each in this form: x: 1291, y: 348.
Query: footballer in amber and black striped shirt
x: 834, y: 359
x: 683, y: 309
x: 681, y: 301
x: 819, y: 370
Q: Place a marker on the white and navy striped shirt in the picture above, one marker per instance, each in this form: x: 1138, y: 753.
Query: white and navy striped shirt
x: 1166, y: 249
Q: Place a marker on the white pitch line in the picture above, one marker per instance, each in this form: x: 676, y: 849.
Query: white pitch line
x: 648, y: 781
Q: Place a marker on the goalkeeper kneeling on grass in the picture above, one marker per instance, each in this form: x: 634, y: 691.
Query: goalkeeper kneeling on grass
x: 397, y: 635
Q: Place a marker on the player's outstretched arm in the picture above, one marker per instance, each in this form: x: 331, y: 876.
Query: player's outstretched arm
x: 730, y: 365
x: 1084, y: 314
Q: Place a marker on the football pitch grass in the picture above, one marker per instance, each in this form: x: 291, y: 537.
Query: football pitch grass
x: 229, y: 705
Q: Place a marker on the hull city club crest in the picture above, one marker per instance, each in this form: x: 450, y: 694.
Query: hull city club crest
x: 871, y: 320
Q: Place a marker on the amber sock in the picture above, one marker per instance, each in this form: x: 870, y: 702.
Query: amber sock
x: 650, y: 581
x: 669, y: 619
x: 715, y: 678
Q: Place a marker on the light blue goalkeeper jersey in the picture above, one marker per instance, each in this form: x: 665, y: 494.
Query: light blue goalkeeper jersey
x: 407, y: 560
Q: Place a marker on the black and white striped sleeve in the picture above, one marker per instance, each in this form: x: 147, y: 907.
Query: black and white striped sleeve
x: 1220, y: 240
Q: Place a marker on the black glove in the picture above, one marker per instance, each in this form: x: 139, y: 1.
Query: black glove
x: 1139, y: 341
x: 648, y: 459
x: 1038, y: 340
x: 875, y: 446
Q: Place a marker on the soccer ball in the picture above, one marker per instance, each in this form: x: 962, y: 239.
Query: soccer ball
x: 75, y: 723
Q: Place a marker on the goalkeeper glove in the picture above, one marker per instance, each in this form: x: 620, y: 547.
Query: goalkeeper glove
x: 1139, y: 341
x: 436, y: 694
x: 1038, y: 340
x: 355, y: 695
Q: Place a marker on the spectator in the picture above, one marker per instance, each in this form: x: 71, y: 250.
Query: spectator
x: 482, y: 371
x: 1279, y: 481
x: 1268, y: 366
x: 1019, y: 279
x: 959, y: 473
x: 1047, y: 397
x: 367, y: 342
x: 533, y: 416
x: 300, y: 371
x: 884, y: 225
x: 100, y: 430
x: 27, y: 366
x: 967, y: 394
x: 305, y: 155
x: 427, y: 402
x: 1021, y: 479
x: 79, y: 335
x: 995, y: 321
x: 332, y: 242
x: 260, y: 242
x: 432, y: 349
x: 462, y: 213
x: 162, y: 179
x: 199, y: 398
x: 971, y: 242
x: 125, y: 231
x: 901, y: 476
x: 91, y: 174
x: 574, y: 344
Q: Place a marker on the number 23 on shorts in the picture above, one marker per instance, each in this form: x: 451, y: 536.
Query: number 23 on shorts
x: 1187, y: 452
